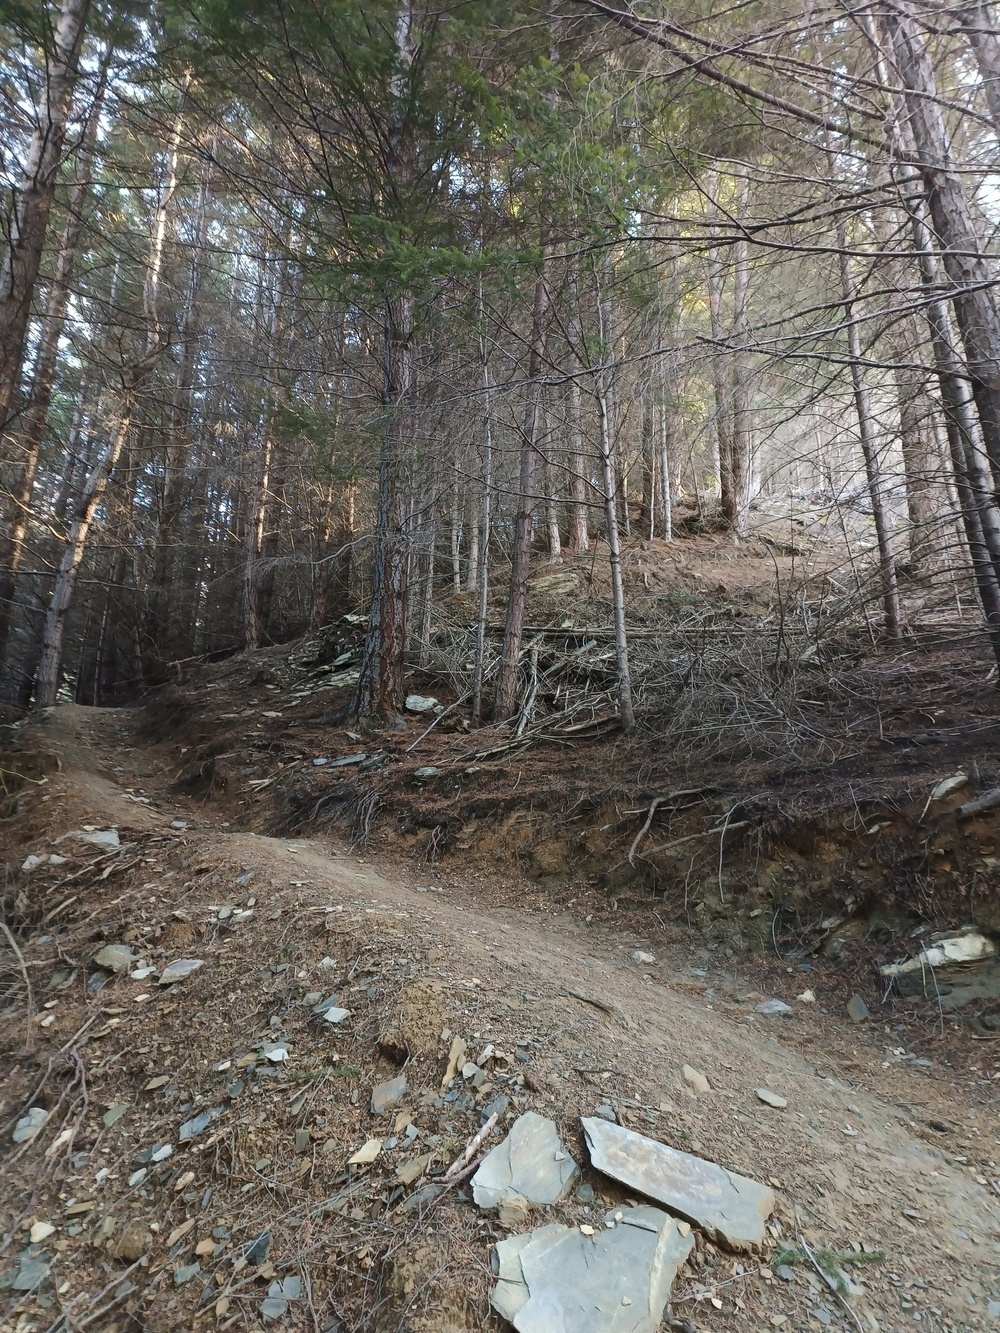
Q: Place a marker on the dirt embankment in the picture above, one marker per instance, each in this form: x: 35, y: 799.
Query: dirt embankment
x: 886, y: 1151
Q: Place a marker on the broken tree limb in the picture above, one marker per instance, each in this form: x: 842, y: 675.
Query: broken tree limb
x: 988, y: 801
x: 693, y: 837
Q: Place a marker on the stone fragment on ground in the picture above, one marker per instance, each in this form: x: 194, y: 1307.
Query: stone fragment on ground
x: 772, y: 1008
x: 387, y: 1094
x: 114, y: 958
x: 420, y: 703
x: 30, y: 1124
x: 731, y: 1208
x: 180, y: 970
x: 531, y: 1164
x: 106, y: 838
x: 615, y: 1279
x: 857, y: 1010
x: 696, y: 1079
x: 770, y: 1098
x: 954, y: 969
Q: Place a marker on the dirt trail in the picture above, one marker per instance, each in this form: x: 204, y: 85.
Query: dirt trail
x: 852, y: 1156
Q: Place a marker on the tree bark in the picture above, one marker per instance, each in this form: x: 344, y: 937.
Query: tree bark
x: 626, y: 709
x: 579, y: 524
x: 33, y: 201
x: 517, y: 602
x: 32, y: 435
x: 968, y: 268
x: 380, y: 688
x: 178, y: 450
x: 980, y: 25
x: 47, y: 674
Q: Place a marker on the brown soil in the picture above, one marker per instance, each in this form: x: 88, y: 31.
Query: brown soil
x: 872, y: 1151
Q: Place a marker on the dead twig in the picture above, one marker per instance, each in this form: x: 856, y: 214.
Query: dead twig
x: 693, y: 837
x: 831, y: 1284
x: 454, y: 1171
x: 24, y: 971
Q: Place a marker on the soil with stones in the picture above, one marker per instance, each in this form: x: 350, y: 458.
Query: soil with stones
x: 188, y: 1159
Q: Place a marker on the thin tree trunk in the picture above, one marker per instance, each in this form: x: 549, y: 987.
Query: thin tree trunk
x: 456, y: 531
x: 626, y: 709
x: 427, y: 593
x: 741, y: 440
x: 482, y: 589
x: 579, y: 533
x: 867, y: 430
x: 33, y: 202
x: 721, y: 380
x: 517, y: 602
x: 649, y: 470
x: 666, y: 488
x: 554, y: 538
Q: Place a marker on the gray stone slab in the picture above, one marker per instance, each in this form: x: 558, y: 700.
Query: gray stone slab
x: 559, y: 1279
x: 388, y: 1094
x: 729, y: 1207
x: 531, y: 1164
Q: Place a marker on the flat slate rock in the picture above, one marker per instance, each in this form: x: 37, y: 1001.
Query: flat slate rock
x: 617, y: 1280
x: 388, y: 1094
x: 531, y: 1164
x: 729, y: 1207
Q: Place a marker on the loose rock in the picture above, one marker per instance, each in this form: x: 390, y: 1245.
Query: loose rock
x: 133, y: 1242
x: 857, y: 1010
x: 180, y: 970
x: 772, y: 1008
x: 106, y: 838
x: 114, y: 958
x: 420, y: 703
x: 388, y: 1094
x: 30, y: 1124
x: 366, y: 1154
x: 617, y: 1281
x: 41, y: 1231
x: 697, y: 1080
x: 771, y: 1098
x: 730, y: 1207
x: 530, y: 1164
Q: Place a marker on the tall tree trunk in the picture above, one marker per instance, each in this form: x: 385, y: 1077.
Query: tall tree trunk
x: 85, y: 506
x: 380, y: 688
x: 579, y: 530
x: 32, y: 435
x: 968, y: 268
x: 666, y: 488
x: 741, y: 442
x: 517, y: 602
x: 721, y: 378
x: 649, y: 469
x: 609, y: 478
x: 47, y: 674
x: 262, y: 547
x: 177, y: 452
x: 867, y: 430
x: 33, y: 201
x: 485, y: 518
x: 979, y: 22
x: 552, y: 488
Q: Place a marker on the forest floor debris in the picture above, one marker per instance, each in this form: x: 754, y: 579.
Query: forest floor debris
x: 433, y: 982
